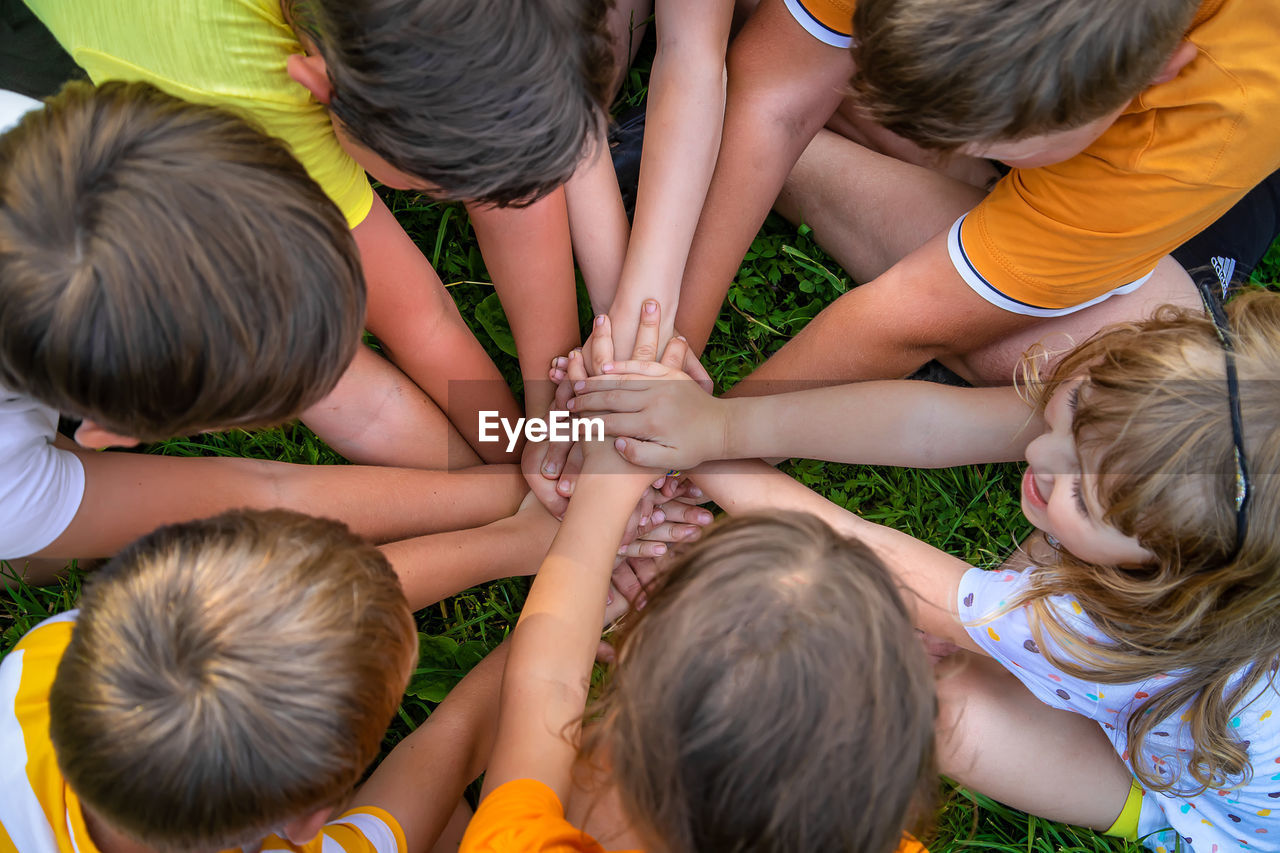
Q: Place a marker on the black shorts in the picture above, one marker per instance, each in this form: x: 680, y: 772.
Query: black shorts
x: 1236, y: 242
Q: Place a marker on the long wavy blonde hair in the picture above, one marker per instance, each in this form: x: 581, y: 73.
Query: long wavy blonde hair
x: 1153, y: 419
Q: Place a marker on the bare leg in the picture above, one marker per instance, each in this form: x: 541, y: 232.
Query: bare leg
x: 995, y: 364
x: 377, y: 416
x: 994, y: 736
x: 866, y: 209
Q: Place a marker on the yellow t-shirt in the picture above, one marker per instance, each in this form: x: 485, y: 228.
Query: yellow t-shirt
x: 1054, y: 239
x: 39, y: 813
x: 525, y: 816
x: 229, y: 53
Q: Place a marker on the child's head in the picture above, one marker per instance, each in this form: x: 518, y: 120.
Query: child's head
x: 484, y: 100
x: 226, y: 676
x: 1152, y: 431
x: 1020, y: 82
x: 165, y: 268
x: 772, y: 694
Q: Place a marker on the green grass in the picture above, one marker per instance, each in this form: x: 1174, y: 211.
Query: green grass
x: 785, y: 280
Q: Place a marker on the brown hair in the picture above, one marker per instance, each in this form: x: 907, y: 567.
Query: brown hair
x: 166, y: 268
x: 229, y: 674
x: 1153, y: 418
x: 772, y: 695
x: 981, y: 71
x: 487, y: 100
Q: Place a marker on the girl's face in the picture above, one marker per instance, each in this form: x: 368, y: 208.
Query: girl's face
x: 1060, y: 491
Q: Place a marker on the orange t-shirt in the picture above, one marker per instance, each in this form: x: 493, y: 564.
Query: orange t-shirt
x: 524, y: 816
x: 1050, y: 240
x: 829, y: 21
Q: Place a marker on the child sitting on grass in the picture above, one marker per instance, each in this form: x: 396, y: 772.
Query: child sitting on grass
x: 166, y: 268
x: 226, y: 683
x: 772, y: 694
x: 487, y: 101
x: 1146, y: 641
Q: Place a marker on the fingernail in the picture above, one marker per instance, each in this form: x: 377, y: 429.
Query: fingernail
x: 571, y: 404
x: 660, y: 549
x: 573, y: 353
x: 704, y: 518
x: 606, y: 367
x: 619, y: 444
x: 695, y: 491
x: 549, y: 468
x: 599, y: 319
x: 644, y: 519
x: 622, y: 550
x: 650, y: 306
x: 609, y: 598
x: 565, y: 487
x: 682, y: 338
x: 659, y: 516
x: 578, y: 386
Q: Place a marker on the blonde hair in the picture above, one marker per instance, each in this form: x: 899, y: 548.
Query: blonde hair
x: 1152, y: 418
x: 772, y: 695
x: 229, y: 674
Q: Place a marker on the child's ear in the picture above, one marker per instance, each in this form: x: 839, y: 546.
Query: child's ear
x: 94, y: 437
x: 1184, y: 53
x: 300, y: 830
x: 310, y: 72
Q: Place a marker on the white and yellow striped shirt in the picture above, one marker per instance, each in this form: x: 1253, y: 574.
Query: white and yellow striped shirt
x: 39, y: 813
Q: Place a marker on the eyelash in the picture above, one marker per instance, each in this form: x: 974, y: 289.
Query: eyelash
x: 1080, y: 504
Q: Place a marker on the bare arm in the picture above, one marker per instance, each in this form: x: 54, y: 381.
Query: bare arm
x: 554, y: 643
x: 783, y: 86
x: 421, y: 330
x: 422, y: 780
x: 682, y: 136
x: 669, y: 422
x: 127, y: 495
x: 932, y: 577
x: 918, y: 310
x: 529, y: 258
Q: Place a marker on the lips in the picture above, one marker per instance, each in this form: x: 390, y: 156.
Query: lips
x: 1031, y: 493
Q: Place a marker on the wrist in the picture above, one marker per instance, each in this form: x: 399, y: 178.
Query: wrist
x: 734, y: 434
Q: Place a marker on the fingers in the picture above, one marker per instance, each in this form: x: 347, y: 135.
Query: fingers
x: 646, y: 348
x: 643, y: 548
x: 675, y: 354
x: 670, y: 531
x: 557, y: 372
x: 646, y: 454
x: 697, y: 372
x: 605, y: 401
x: 569, y: 476
x: 576, y: 369
x: 553, y: 462
x: 545, y: 491
x: 599, y: 346
x: 684, y: 513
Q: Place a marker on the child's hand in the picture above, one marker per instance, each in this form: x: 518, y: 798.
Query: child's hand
x: 669, y: 523
x: 666, y: 420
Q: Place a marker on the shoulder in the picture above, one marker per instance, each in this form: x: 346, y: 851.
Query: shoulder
x: 360, y: 830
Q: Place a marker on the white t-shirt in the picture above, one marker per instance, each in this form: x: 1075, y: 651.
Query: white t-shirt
x: 1239, y: 818
x: 40, y: 485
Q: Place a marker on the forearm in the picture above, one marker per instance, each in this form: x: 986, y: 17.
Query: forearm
x: 424, y: 777
x: 528, y: 255
x: 598, y: 223
x: 782, y: 88
x: 682, y: 137
x: 127, y: 495
x: 432, y: 568
x: 894, y: 422
x: 929, y: 577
